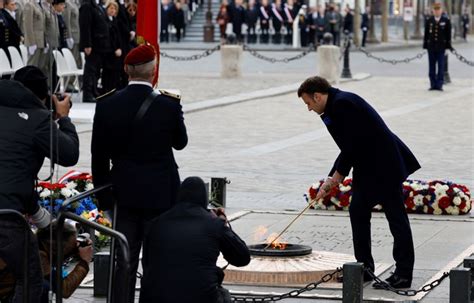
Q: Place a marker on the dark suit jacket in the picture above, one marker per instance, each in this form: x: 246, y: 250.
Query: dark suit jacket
x: 144, y: 171
x: 14, y: 31
x: 93, y: 27
x: 437, y: 34
x: 379, y: 159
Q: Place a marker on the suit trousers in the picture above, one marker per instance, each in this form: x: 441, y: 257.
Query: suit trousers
x: 436, y: 69
x: 360, y: 211
x: 12, y: 233
x: 94, y: 63
x: 134, y: 224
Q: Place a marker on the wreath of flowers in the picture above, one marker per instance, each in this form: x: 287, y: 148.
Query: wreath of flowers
x: 433, y: 197
x: 71, y: 184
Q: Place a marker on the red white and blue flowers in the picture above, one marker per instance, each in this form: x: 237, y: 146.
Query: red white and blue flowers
x: 434, y: 197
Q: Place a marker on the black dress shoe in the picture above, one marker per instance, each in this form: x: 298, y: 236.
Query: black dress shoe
x: 394, y: 281
x: 431, y: 88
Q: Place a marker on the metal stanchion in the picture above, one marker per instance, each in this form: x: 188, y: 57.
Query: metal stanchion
x: 346, y: 71
x: 460, y: 285
x: 352, y: 287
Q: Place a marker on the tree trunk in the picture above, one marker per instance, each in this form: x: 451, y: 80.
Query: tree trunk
x: 384, y: 20
x: 371, y: 34
x: 356, y: 22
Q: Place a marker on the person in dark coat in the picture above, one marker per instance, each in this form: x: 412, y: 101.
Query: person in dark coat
x: 380, y: 162
x: 237, y: 17
x: 317, y: 25
x: 59, y: 6
x: 251, y: 18
x: 178, y: 20
x: 144, y: 171
x: 348, y: 26
x: 436, y: 40
x: 277, y: 21
x: 95, y: 42
x: 465, y: 25
x: 25, y: 134
x: 303, y: 25
x: 127, y: 34
x: 182, y: 249
x: 364, y: 25
x: 10, y: 32
x: 167, y: 11
x: 264, y: 14
x: 290, y: 12
x: 113, y: 64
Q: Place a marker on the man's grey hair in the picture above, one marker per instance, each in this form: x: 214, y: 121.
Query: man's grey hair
x: 142, y: 71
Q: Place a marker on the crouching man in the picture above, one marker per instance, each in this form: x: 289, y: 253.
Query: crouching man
x: 182, y: 248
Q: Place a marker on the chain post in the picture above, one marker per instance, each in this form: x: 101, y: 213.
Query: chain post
x: 219, y: 190
x: 447, y: 78
x: 460, y: 285
x: 346, y: 71
x: 352, y: 286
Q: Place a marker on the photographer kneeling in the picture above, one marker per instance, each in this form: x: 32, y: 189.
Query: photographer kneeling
x: 26, y: 134
x: 182, y: 247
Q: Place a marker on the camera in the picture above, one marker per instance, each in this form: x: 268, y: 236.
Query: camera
x: 83, y: 239
x: 50, y: 105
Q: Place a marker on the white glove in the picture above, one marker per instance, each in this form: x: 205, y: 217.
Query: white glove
x: 41, y: 218
x: 32, y: 49
x: 132, y: 35
x: 364, y: 28
x: 70, y: 43
x: 46, y: 49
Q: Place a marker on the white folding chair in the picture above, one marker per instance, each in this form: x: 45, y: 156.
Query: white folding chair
x: 83, y: 60
x: 17, y: 61
x: 24, y: 53
x: 5, y: 68
x: 62, y: 70
x: 71, y: 63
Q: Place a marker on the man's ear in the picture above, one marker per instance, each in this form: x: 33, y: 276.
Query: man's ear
x: 316, y: 97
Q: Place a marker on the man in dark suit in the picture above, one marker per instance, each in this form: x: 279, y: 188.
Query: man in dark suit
x: 139, y: 142
x: 380, y: 163
x: 237, y: 18
x: 95, y: 42
x: 10, y: 32
x: 436, y: 40
x: 364, y: 25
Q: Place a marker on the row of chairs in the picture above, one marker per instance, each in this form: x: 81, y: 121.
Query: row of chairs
x: 66, y: 66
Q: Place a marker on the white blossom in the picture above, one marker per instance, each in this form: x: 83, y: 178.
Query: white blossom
x: 418, y: 199
x: 45, y: 193
x: 457, y: 201
x: 71, y: 185
x: 66, y: 192
x: 89, y: 186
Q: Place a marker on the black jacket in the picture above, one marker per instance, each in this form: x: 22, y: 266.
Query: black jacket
x: 144, y: 171
x: 125, y: 27
x: 348, y: 23
x: 93, y: 27
x: 10, y: 32
x: 378, y: 157
x: 25, y: 142
x: 437, y: 34
x: 365, y: 21
x: 182, y: 249
x: 237, y: 15
x: 251, y: 16
x: 178, y: 18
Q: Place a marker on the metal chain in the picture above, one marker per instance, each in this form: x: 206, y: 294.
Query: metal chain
x: 392, y: 61
x: 407, y: 292
x: 206, y: 53
x: 462, y: 58
x: 292, y: 294
x: 274, y: 60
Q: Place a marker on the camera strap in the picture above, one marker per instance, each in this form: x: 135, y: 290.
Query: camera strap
x: 145, y: 106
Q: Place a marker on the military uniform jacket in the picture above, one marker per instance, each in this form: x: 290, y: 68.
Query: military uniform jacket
x: 52, y: 34
x: 34, y: 24
x: 12, y: 32
x: 437, y: 34
x: 71, y: 18
x: 379, y: 159
x: 20, y: 5
x: 144, y: 171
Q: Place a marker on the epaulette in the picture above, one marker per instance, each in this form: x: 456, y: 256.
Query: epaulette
x: 170, y: 94
x: 107, y: 94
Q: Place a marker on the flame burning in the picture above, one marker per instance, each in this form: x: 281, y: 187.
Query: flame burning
x: 277, y: 244
x: 260, y: 234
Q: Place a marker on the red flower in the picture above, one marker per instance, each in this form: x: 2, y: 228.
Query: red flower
x: 51, y: 186
x: 409, y: 203
x: 347, y: 182
x: 344, y: 201
x: 462, y: 205
x: 312, y: 193
x: 444, y: 202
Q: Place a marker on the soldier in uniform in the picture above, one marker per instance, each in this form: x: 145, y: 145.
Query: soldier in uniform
x: 11, y: 32
x: 59, y: 7
x: 436, y: 40
x: 34, y: 24
x: 71, y: 18
x: 137, y: 131
x: 277, y: 21
x: 264, y: 15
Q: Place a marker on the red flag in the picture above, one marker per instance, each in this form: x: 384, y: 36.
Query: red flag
x: 148, y: 27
